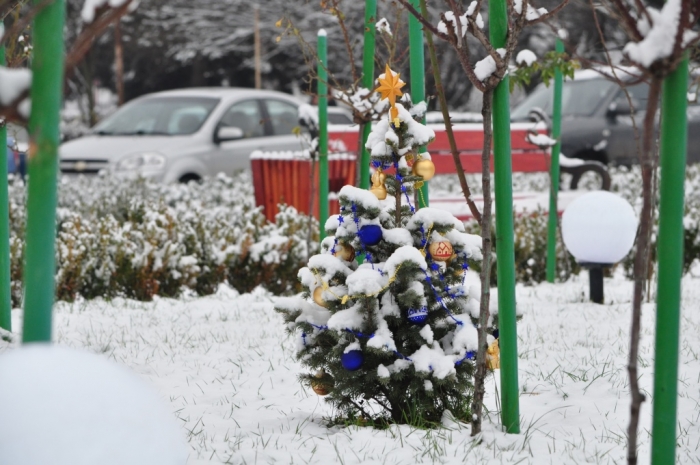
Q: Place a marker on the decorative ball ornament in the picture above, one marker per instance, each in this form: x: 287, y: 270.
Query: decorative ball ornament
x: 344, y: 252
x: 322, y: 383
x: 417, y: 316
x: 318, y: 297
x: 352, y: 360
x: 378, y: 188
x: 424, y: 168
x: 370, y: 234
x: 441, y: 251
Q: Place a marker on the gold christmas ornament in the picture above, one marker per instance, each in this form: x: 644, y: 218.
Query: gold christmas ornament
x: 424, y: 168
x: 441, y: 251
x: 378, y: 188
x: 322, y: 383
x: 493, y: 356
x: 344, y: 252
x: 390, y: 88
x: 318, y: 297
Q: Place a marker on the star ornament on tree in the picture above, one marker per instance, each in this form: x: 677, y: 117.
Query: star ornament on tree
x: 390, y: 88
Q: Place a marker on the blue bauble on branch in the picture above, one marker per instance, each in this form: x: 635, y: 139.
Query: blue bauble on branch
x: 417, y: 316
x: 370, y: 234
x: 352, y: 360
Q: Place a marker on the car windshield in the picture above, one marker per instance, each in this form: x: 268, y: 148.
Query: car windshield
x: 579, y: 98
x: 168, y: 116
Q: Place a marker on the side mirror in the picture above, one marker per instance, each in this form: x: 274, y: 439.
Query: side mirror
x: 621, y: 107
x: 224, y: 133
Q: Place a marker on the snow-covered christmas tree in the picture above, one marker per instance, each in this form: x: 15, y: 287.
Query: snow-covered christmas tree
x: 386, y: 324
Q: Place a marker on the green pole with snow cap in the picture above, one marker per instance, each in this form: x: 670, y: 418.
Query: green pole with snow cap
x: 5, y: 300
x: 553, y: 218
x: 674, y: 141
x: 505, y: 248
x: 367, y: 83
x: 322, y: 130
x: 46, y: 90
x: 417, y: 62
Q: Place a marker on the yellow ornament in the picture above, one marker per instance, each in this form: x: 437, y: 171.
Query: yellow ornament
x: 390, y: 86
x: 493, y: 356
x: 424, y: 168
x: 318, y: 297
x: 378, y: 188
x: 441, y: 251
x: 322, y: 383
x: 344, y: 252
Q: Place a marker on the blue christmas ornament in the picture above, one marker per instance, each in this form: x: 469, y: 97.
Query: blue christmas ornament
x: 352, y: 360
x: 417, y: 316
x: 370, y: 234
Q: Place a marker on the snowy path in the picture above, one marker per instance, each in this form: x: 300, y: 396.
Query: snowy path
x: 227, y: 368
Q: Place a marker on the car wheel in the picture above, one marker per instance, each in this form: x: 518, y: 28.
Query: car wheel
x: 189, y: 177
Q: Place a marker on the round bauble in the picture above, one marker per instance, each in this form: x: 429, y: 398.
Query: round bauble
x: 370, y: 234
x: 424, y: 168
x: 441, y: 251
x: 344, y: 252
x: 318, y: 297
x: 322, y: 384
x: 417, y: 316
x: 352, y: 360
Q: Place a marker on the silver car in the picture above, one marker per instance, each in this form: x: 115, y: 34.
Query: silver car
x: 184, y: 135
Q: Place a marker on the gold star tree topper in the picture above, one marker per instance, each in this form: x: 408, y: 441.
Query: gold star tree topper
x: 390, y: 87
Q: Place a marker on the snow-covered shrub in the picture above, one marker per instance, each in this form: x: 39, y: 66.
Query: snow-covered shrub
x: 530, y: 241
x: 138, y: 239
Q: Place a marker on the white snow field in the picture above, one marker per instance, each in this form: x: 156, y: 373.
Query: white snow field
x: 227, y: 368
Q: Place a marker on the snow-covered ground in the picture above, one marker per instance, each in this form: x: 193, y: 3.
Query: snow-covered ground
x: 227, y: 368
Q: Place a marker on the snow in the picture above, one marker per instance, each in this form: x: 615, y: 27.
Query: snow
x: 659, y: 37
x: 450, y: 17
x: 13, y: 82
x: 599, y: 227
x: 525, y: 57
x: 541, y: 140
x: 322, y: 33
x: 71, y: 407
x: 487, y: 66
x: 404, y: 254
x: 90, y: 7
x: 383, y: 26
x: 228, y: 372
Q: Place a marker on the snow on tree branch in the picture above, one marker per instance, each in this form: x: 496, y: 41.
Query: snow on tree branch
x: 14, y: 92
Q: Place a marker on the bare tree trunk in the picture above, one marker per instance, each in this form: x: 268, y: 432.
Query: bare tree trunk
x: 119, y: 62
x: 641, y: 264
x: 480, y: 372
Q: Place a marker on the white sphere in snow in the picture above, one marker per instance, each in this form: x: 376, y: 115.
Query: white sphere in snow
x: 599, y: 227
x: 61, y: 406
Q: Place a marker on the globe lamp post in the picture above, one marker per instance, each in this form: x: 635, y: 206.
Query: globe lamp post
x: 598, y: 229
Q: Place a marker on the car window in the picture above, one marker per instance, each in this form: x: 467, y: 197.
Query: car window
x: 580, y: 98
x: 283, y: 116
x: 339, y: 118
x: 159, y: 115
x: 638, y: 92
x: 246, y: 116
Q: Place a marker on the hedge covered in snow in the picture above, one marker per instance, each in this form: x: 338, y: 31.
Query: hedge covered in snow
x: 137, y: 239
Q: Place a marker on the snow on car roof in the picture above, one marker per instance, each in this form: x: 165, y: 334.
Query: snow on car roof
x: 221, y: 92
x: 598, y: 72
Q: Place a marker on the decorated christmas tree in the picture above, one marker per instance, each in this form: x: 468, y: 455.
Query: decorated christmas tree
x: 386, y: 325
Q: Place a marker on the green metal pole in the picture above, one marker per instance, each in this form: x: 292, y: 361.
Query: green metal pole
x: 554, y: 172
x: 47, y: 85
x: 367, y: 83
x: 508, y: 337
x: 417, y: 62
x: 323, y: 130
x: 674, y: 140
x: 5, y: 301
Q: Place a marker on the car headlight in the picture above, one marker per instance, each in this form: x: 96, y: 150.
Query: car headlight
x: 148, y: 161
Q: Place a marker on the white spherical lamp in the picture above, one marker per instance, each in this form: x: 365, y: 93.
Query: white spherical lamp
x: 62, y: 406
x: 599, y: 229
